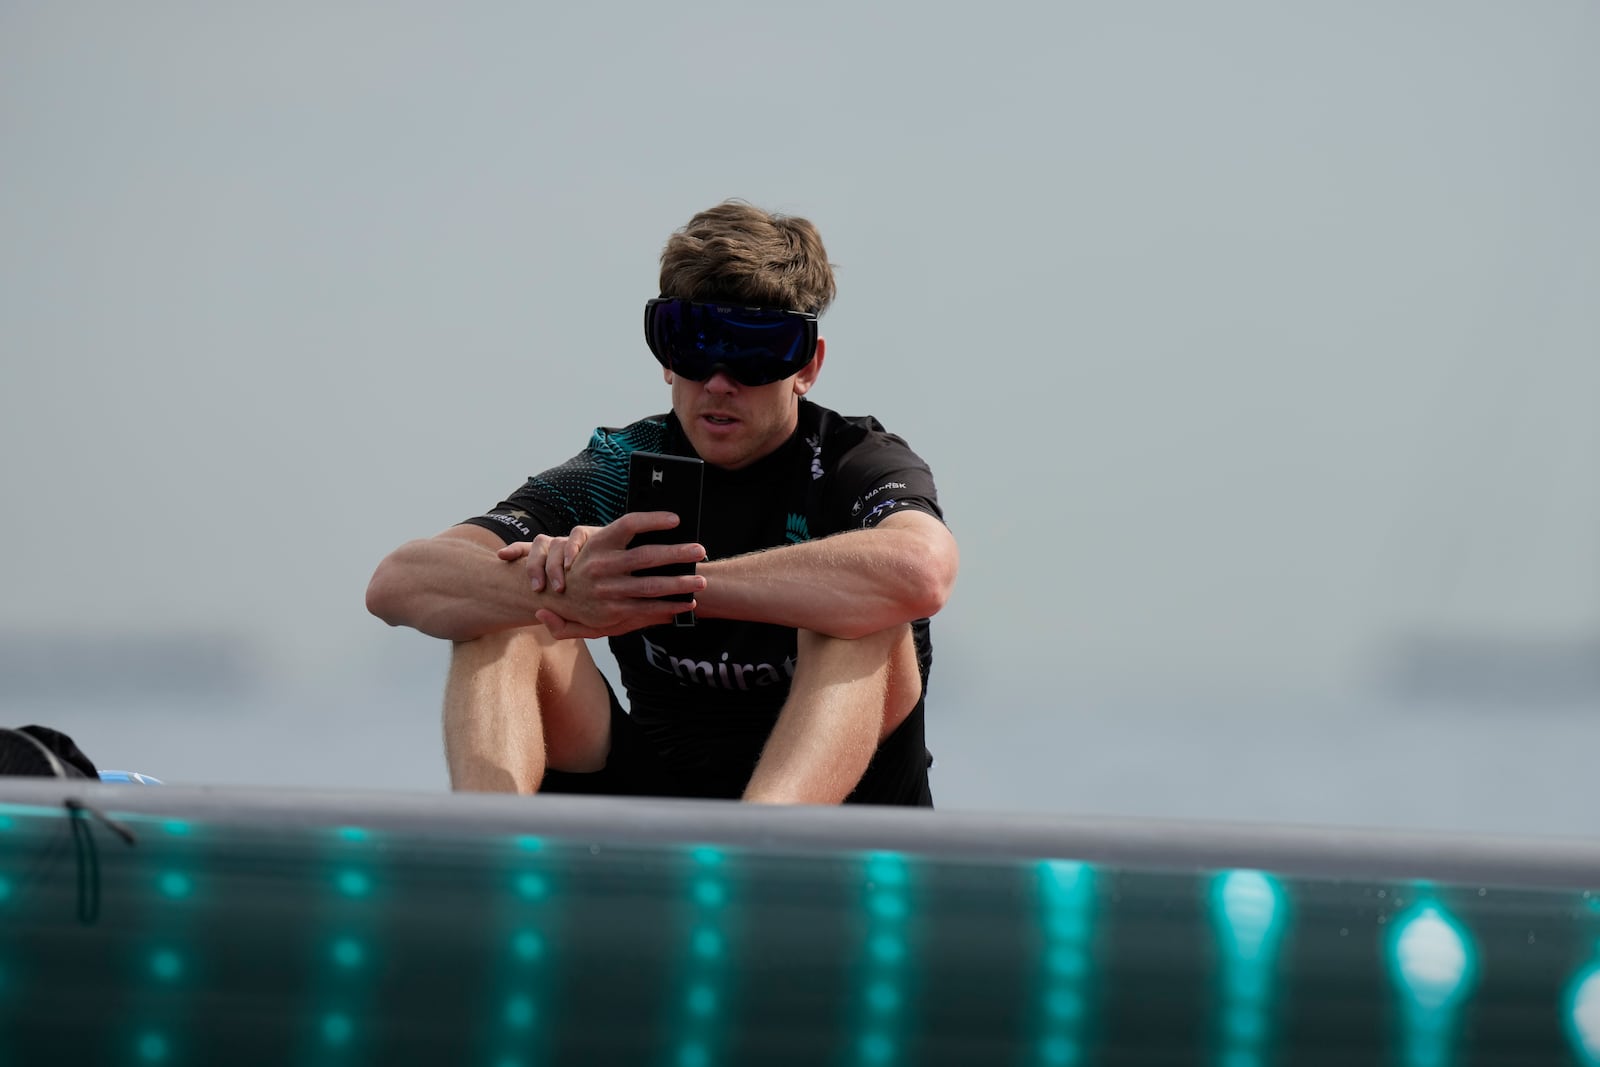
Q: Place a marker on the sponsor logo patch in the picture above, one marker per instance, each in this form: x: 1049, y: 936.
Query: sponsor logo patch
x: 883, y: 508
x: 717, y: 673
x: 516, y: 519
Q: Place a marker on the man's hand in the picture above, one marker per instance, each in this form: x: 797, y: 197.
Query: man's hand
x: 592, y: 569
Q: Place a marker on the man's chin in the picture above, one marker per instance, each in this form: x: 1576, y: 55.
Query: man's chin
x: 721, y: 452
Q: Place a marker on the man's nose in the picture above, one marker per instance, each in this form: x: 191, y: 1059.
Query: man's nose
x: 721, y: 382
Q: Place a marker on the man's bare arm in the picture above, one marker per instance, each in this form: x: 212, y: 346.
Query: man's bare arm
x: 455, y: 586
x: 848, y: 585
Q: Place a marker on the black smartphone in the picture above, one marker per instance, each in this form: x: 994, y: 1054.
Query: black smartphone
x: 658, y: 482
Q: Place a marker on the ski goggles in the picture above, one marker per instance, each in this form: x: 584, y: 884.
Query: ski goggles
x: 755, y: 346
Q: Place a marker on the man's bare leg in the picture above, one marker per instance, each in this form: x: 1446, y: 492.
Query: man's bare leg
x: 846, y: 697
x: 517, y: 702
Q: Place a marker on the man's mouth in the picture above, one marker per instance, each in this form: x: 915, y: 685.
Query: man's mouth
x: 720, y: 420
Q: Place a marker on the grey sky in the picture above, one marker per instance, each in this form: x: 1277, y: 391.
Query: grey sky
x: 1246, y: 339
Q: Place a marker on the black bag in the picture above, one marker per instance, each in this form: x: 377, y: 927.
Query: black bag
x: 40, y: 752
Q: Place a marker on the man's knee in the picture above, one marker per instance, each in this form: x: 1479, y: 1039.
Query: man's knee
x: 489, y: 650
x: 517, y: 657
x: 850, y: 653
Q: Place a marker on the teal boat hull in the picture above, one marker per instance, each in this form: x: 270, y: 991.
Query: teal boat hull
x: 306, y: 928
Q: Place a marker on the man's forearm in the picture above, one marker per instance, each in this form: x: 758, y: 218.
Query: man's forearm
x: 848, y: 585
x: 452, y: 588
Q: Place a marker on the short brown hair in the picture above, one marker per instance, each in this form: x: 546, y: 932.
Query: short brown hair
x: 740, y: 253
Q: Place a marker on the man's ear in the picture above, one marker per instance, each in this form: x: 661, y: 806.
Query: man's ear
x: 808, y: 375
x: 666, y: 375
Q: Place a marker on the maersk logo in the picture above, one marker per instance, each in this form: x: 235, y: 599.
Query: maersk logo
x: 717, y: 674
x: 855, y: 509
x: 796, y: 530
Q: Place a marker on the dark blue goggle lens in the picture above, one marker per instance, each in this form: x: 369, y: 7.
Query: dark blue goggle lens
x: 754, y: 346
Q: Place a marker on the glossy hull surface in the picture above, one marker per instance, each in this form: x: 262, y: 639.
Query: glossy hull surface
x: 308, y: 928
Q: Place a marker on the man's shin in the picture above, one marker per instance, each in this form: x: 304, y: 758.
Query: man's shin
x: 492, y: 734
